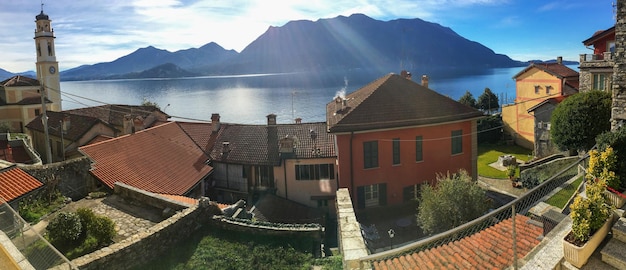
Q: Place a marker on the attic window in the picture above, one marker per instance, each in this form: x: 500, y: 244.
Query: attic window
x: 537, y: 88
x: 548, y: 87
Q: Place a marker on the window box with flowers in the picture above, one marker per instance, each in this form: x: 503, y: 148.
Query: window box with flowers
x: 592, y: 219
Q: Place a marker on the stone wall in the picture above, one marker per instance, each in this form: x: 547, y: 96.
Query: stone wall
x: 144, y: 247
x: 351, y: 242
x: 618, y: 112
x: 148, y: 198
x: 74, y: 179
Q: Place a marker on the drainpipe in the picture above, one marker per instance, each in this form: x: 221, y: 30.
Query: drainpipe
x: 285, y: 177
x: 351, y: 165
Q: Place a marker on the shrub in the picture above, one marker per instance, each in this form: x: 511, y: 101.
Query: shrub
x: 603, y: 165
x: 579, y: 119
x: 100, y: 227
x: 617, y: 141
x: 590, y: 213
x: 65, y: 228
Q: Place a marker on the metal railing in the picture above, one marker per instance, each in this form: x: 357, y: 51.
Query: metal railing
x: 34, y: 247
x: 520, y: 205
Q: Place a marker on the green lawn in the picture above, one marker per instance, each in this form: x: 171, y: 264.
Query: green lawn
x: 489, y: 153
x: 560, y: 198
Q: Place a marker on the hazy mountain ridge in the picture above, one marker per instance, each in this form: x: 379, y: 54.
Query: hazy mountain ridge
x: 341, y: 43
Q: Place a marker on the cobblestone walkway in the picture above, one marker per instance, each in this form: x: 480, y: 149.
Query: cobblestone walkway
x: 129, y: 217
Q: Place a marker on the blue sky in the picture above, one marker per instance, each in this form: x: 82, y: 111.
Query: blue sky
x: 89, y: 32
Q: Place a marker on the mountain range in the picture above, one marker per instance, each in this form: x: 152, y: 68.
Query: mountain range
x: 356, y: 42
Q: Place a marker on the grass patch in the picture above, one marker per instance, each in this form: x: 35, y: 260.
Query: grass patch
x: 213, y: 248
x: 33, y: 208
x: 562, y: 197
x: 489, y: 153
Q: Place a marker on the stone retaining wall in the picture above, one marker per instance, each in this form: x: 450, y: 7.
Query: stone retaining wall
x: 146, y: 197
x: 74, y: 179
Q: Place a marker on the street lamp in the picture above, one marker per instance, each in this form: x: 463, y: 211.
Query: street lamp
x: 391, y: 233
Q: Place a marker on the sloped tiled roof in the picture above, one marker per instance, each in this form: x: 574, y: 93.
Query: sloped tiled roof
x: 491, y: 248
x: 201, y: 133
x: 598, y: 35
x: 259, y: 144
x: 394, y: 101
x: 79, y: 124
x: 553, y: 101
x: 555, y: 69
x: 114, y: 113
x: 14, y: 182
x: 161, y: 159
x: 32, y: 100
x: 19, y: 81
x: 182, y: 199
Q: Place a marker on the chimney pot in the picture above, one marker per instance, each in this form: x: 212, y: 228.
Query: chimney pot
x: 271, y: 119
x: 225, y: 147
x: 405, y: 74
x: 425, y: 81
x: 215, y: 122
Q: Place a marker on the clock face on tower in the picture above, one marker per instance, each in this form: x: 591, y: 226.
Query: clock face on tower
x: 52, y: 70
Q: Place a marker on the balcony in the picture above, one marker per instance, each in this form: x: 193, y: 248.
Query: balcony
x: 606, y: 59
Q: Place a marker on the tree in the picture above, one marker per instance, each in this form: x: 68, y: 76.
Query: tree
x: 455, y: 200
x: 65, y: 228
x: 468, y: 99
x: 489, y: 129
x: 488, y: 101
x: 579, y: 119
x: 147, y: 102
x: 4, y: 127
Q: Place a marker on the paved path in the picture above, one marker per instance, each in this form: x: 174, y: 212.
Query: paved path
x: 129, y: 218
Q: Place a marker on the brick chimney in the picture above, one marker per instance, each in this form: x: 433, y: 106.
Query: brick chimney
x: 559, y: 60
x: 215, y: 122
x: 66, y: 124
x: 405, y: 74
x: 271, y: 119
x: 618, y: 111
x: 425, y: 81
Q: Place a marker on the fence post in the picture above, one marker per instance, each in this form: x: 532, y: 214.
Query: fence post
x: 514, y: 238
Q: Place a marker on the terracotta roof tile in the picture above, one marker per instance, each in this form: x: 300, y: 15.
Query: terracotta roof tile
x: 114, y: 113
x: 14, y: 182
x: 162, y: 159
x: 79, y: 124
x: 183, y: 199
x: 20, y: 81
x: 488, y: 249
x: 393, y: 101
x: 558, y: 70
x: 259, y: 144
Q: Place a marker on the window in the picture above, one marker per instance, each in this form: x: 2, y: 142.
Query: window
x: 537, y: 88
x: 610, y: 46
x: 322, y: 203
x: 264, y: 176
x: 37, y: 112
x: 396, y: 151
x: 418, y: 149
x: 457, y: 142
x: 370, y: 154
x: 315, y: 172
x: 372, y: 195
x: 548, y: 87
x: 412, y: 192
x: 599, y: 82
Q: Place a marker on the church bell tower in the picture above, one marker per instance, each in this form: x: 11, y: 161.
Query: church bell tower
x: 47, y: 65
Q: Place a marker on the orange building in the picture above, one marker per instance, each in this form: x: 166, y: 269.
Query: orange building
x: 533, y: 85
x: 394, y: 135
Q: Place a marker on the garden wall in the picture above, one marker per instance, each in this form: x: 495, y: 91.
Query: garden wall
x: 74, y: 179
x: 144, y: 247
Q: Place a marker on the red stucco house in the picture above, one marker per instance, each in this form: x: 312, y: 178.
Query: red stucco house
x: 394, y: 135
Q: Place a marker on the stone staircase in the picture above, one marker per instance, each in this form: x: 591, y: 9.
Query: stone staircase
x: 614, y: 252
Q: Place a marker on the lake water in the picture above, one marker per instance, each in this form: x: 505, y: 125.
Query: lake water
x: 248, y: 99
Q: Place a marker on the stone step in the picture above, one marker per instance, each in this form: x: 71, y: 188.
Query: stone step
x: 614, y: 253
x: 619, y: 229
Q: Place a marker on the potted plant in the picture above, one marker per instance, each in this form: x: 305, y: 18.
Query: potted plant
x: 603, y: 165
x: 591, y: 221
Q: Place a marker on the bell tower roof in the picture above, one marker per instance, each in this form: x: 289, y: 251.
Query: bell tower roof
x: 42, y: 16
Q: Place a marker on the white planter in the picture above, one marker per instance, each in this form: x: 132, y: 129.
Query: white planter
x: 615, y: 199
x: 578, y: 256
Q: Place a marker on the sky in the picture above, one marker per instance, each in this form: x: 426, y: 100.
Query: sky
x: 90, y: 32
